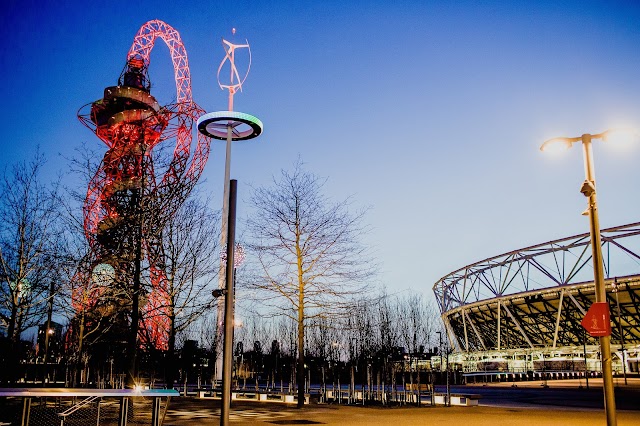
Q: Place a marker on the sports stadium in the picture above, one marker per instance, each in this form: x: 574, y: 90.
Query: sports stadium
x: 519, y: 313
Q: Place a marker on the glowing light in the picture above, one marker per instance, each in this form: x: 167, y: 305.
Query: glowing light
x: 622, y: 139
x: 243, y: 126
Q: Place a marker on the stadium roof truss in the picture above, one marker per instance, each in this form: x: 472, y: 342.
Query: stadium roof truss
x: 536, y: 297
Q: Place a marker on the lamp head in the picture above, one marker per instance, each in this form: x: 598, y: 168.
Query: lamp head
x: 556, y: 145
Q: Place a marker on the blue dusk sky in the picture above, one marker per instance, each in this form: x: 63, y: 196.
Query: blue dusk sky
x: 430, y: 112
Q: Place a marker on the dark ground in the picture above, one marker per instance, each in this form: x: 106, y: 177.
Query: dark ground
x: 527, y: 403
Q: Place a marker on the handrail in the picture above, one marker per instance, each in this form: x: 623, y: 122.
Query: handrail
x: 84, y: 392
x: 76, y: 407
x: 90, y: 395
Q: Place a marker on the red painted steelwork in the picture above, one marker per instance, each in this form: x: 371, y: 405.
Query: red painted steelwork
x: 131, y: 123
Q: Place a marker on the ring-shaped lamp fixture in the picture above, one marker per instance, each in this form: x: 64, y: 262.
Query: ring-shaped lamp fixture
x: 243, y: 126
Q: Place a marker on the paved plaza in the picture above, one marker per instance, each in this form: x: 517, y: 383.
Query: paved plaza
x: 530, y: 403
x: 205, y: 412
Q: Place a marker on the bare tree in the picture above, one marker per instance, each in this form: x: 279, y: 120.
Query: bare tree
x: 29, y: 216
x: 189, y: 248
x: 308, y: 250
x: 414, y: 326
x: 387, y: 338
x: 185, y: 265
x: 323, y: 338
x: 205, y: 331
x: 93, y: 300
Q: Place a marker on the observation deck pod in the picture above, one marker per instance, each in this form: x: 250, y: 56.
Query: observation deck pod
x: 125, y: 105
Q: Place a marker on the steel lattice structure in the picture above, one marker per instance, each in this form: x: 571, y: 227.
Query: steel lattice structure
x: 128, y: 202
x: 536, y: 297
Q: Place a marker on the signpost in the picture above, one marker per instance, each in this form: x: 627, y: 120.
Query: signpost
x: 596, y: 321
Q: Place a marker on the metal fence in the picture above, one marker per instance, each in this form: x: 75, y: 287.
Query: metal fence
x: 82, y: 407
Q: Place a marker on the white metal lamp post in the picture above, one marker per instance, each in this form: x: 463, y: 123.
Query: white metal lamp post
x: 588, y: 188
x: 230, y: 126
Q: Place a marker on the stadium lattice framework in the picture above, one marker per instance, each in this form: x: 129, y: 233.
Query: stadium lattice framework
x: 521, y: 311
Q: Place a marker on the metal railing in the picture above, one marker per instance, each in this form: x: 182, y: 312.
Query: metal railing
x: 69, y: 407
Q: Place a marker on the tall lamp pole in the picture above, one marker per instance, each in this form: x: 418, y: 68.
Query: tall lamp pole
x: 229, y: 307
x: 230, y: 126
x: 588, y: 188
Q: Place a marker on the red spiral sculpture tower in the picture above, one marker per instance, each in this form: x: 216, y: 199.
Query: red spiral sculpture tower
x: 130, y: 199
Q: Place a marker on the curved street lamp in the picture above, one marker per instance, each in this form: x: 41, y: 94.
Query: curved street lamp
x: 588, y: 188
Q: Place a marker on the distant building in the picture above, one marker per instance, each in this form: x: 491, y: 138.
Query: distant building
x: 520, y: 312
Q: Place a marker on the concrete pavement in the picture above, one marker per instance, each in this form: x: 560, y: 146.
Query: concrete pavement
x: 563, y: 402
x: 193, y: 411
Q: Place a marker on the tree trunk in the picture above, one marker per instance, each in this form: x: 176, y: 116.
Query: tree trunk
x: 300, y: 369
x: 11, y: 329
x: 132, y: 350
x: 170, y: 359
x: 77, y: 370
x: 12, y: 356
x: 301, y: 283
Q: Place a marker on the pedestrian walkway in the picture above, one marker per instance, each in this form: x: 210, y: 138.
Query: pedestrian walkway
x: 595, y: 382
x: 192, y: 411
x: 245, y: 414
